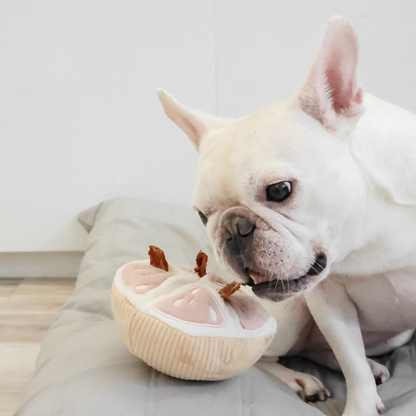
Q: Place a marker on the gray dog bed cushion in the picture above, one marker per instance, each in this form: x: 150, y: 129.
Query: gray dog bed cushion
x: 84, y: 368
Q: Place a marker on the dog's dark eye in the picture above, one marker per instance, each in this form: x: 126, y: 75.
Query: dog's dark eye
x: 204, y: 219
x: 278, y: 192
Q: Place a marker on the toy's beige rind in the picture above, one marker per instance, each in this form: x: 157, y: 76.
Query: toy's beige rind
x: 181, y: 355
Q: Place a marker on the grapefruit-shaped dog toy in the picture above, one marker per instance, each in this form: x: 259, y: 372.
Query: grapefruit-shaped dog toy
x: 186, y: 323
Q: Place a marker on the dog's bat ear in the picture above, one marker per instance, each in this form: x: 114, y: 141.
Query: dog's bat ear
x: 331, y: 93
x: 196, y: 124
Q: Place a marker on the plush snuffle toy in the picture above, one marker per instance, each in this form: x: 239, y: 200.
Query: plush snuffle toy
x: 186, y: 323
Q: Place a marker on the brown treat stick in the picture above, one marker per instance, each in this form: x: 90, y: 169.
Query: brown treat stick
x: 201, y: 264
x: 229, y: 289
x: 157, y: 258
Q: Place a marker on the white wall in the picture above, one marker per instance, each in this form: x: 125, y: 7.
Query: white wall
x: 79, y: 117
x: 80, y: 120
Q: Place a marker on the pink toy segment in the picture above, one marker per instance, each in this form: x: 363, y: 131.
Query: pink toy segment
x: 140, y: 278
x: 196, y: 305
x: 251, y: 314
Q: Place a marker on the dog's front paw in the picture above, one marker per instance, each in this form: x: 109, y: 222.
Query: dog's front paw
x: 307, y: 387
x: 364, y: 406
x: 380, y: 372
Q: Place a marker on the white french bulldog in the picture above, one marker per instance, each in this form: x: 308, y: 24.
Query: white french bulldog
x: 313, y: 203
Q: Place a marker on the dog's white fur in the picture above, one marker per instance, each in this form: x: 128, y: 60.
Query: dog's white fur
x: 351, y: 161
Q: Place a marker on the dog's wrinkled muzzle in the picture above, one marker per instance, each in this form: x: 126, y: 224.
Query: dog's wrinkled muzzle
x: 241, y: 233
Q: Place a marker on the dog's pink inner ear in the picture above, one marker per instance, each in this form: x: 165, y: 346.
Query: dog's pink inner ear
x: 342, y: 79
x: 331, y: 93
x: 193, y: 122
x: 184, y: 118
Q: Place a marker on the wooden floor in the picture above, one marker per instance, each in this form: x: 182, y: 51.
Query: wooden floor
x: 28, y: 307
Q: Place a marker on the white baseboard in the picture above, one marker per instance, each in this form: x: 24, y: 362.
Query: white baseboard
x: 40, y: 264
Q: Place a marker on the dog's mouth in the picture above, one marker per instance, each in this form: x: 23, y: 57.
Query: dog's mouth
x: 281, y: 289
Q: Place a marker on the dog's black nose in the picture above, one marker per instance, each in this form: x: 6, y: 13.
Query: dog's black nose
x: 237, y: 227
x: 238, y: 234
